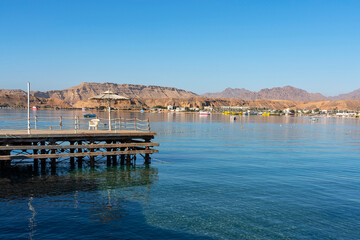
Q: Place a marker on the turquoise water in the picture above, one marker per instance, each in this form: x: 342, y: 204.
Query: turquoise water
x: 277, y: 178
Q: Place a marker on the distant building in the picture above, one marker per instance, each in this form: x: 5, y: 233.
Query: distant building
x: 170, y: 107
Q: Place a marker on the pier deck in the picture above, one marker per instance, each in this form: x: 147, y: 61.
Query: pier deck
x: 42, y: 144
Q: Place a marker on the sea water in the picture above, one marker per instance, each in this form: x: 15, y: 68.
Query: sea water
x: 214, y: 178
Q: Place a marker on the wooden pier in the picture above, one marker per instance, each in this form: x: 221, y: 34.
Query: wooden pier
x: 45, y: 147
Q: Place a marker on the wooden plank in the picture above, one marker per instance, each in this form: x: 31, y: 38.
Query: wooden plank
x: 21, y: 141
x: 84, y: 154
x: 89, y: 146
x: 9, y: 133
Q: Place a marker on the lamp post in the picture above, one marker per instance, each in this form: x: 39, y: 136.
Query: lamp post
x: 28, y: 107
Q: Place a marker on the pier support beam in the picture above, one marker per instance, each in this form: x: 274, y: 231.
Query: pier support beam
x: 43, y: 160
x: 108, y: 157
x: 92, y: 158
x: 79, y: 159
x: 147, y: 158
x: 122, y: 157
x: 36, y: 162
x: 72, y: 159
x: 53, y: 160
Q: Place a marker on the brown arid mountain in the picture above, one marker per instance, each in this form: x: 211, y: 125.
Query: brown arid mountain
x: 353, y: 105
x: 289, y: 93
x: 354, y: 95
x: 278, y: 93
x: 150, y: 96
x: 20, y: 100
x: 14, y: 100
x: 241, y: 93
x: 84, y: 91
x: 12, y: 92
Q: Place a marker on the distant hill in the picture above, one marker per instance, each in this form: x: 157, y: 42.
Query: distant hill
x: 240, y: 93
x: 12, y: 92
x: 354, y: 95
x: 277, y: 93
x: 86, y: 90
x: 20, y: 100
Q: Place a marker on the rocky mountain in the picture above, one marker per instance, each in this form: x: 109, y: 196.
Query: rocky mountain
x: 86, y: 90
x: 12, y: 92
x: 278, y: 93
x: 354, y: 95
x: 241, y: 93
x: 20, y: 101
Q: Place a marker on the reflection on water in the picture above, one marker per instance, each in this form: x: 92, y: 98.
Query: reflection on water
x: 22, y: 183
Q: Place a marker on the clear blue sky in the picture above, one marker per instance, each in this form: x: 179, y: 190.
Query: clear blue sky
x: 197, y: 45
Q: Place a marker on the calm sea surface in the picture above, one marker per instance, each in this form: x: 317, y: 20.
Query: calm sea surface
x: 277, y: 178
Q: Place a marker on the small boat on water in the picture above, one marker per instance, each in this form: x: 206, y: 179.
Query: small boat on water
x: 203, y: 113
x: 34, y: 108
x: 90, y: 115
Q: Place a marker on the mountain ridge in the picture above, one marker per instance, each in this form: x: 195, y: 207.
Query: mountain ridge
x: 85, y: 90
x: 276, y: 93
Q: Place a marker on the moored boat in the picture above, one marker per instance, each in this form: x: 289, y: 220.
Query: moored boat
x: 89, y: 115
x: 203, y: 113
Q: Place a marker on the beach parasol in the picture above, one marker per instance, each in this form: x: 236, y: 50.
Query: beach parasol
x: 109, y: 96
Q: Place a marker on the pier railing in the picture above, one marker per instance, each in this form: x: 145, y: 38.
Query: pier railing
x: 76, y: 123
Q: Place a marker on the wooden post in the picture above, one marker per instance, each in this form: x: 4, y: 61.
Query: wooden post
x: 79, y: 159
x: 72, y: 159
x: 36, y: 161
x: 147, y: 155
x: 122, y: 157
x: 128, y: 157
x: 108, y: 157
x: 43, y: 160
x: 53, y: 160
x: 149, y: 124
x: 114, y: 159
x: 92, y: 158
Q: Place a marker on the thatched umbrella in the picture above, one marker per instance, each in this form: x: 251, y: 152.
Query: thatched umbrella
x: 109, y: 96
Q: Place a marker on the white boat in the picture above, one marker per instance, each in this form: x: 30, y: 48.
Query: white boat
x: 203, y: 113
